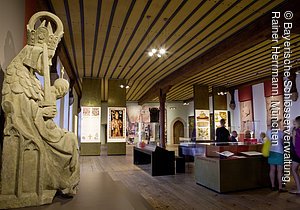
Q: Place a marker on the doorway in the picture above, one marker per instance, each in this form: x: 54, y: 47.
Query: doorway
x: 178, y: 131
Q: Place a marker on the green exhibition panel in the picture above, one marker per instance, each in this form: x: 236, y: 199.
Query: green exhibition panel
x: 90, y: 142
x: 116, y: 117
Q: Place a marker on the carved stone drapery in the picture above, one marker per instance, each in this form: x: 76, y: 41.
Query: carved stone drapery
x: 38, y: 158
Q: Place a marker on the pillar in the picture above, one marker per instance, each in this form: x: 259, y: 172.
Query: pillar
x: 219, y: 95
x: 201, y: 111
x: 91, y: 97
x: 162, y: 110
x: 116, y: 145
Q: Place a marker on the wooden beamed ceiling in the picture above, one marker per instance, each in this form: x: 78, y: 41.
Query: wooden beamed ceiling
x: 247, y: 66
x: 110, y: 39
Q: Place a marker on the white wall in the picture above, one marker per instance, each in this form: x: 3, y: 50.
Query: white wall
x: 12, y: 21
x: 259, y: 107
x: 180, y: 113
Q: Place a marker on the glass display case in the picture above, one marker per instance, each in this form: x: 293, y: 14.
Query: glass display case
x: 252, y: 130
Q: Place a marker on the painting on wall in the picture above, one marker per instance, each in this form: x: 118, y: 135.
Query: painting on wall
x: 116, y: 124
x: 191, y: 126
x: 246, y: 115
x: 202, y: 124
x: 220, y: 114
x: 90, y: 124
x: 133, y: 114
x: 139, y: 113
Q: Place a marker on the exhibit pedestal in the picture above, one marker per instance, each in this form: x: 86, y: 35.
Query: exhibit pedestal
x: 116, y: 148
x: 227, y: 175
x: 90, y: 149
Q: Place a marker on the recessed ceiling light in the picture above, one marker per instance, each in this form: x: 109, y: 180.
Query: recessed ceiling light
x: 162, y: 51
x: 158, y: 55
x: 127, y: 86
x: 150, y: 54
x: 121, y: 86
x: 154, y: 50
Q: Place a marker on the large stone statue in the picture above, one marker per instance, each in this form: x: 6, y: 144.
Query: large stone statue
x: 39, y: 158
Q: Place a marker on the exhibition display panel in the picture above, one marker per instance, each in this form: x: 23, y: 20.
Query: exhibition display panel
x: 116, y: 129
x: 90, y: 124
x: 220, y: 114
x: 202, y: 124
x: 232, y: 174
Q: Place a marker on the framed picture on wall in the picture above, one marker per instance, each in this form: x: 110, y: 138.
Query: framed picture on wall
x: 116, y: 130
x: 246, y: 114
x: 220, y: 114
x: 202, y: 124
x: 191, y: 126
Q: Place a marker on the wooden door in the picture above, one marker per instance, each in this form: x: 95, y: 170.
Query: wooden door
x: 178, y: 131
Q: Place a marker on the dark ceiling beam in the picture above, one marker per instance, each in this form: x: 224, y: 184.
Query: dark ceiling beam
x: 253, y: 82
x: 164, y: 90
x: 254, y: 33
x: 63, y: 53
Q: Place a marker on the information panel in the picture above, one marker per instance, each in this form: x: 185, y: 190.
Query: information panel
x: 116, y: 129
x: 202, y: 124
x: 90, y: 124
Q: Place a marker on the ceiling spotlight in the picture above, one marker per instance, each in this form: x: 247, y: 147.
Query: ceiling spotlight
x: 153, y: 50
x: 162, y: 51
x: 127, y: 86
x: 186, y: 104
x: 121, y: 86
x: 157, y: 52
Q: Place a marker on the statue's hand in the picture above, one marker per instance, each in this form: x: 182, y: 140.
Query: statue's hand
x: 49, y: 111
x: 61, y: 91
x: 61, y: 87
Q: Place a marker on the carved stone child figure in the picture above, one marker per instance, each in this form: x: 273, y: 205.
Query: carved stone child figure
x: 39, y: 158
